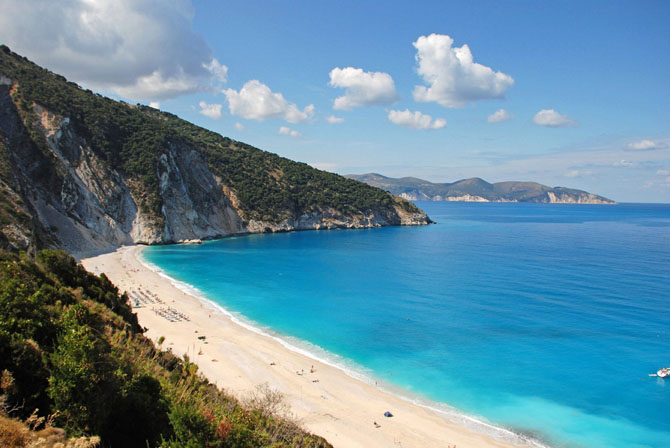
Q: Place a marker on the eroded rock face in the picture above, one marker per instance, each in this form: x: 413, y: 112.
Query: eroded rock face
x: 102, y: 210
x: 195, y: 206
x: 585, y: 198
x: 78, y: 202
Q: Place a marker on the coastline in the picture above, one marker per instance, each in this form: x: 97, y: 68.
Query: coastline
x: 332, y: 402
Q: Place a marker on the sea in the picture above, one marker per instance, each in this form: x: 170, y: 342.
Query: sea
x: 540, y: 319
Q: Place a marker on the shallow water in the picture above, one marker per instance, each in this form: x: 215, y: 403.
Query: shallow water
x: 544, y: 319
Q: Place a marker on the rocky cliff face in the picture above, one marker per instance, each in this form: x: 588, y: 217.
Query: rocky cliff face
x: 58, y: 191
x: 582, y: 198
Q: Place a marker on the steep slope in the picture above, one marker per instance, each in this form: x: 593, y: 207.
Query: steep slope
x: 478, y: 190
x: 84, y: 172
x: 72, y: 354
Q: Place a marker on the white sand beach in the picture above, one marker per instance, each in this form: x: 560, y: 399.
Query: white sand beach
x: 328, y: 402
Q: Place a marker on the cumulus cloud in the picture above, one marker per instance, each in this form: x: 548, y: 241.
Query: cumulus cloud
x: 362, y: 88
x: 212, y: 111
x: 453, y: 78
x: 239, y: 126
x: 642, y: 145
x: 416, y: 120
x: 285, y: 130
x: 499, y: 116
x: 139, y: 49
x: 552, y: 119
x: 255, y: 101
x: 332, y: 119
x: 218, y: 70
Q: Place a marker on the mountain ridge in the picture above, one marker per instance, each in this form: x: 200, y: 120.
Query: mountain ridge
x: 86, y: 173
x: 476, y: 189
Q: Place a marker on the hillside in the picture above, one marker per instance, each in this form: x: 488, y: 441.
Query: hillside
x: 478, y: 190
x: 73, y: 356
x: 84, y: 172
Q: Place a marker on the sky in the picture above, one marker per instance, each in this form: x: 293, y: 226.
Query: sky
x: 565, y: 93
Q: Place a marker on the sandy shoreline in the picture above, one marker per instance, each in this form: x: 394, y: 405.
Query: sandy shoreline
x: 337, y: 406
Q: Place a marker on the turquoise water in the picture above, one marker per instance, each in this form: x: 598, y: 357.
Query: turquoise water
x: 543, y: 319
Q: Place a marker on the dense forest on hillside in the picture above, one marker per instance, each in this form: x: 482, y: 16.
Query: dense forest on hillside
x: 131, y: 138
x: 73, y: 356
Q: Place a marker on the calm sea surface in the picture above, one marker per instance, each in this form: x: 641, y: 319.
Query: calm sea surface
x: 543, y: 319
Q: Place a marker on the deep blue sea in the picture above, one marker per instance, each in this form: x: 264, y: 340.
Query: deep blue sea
x: 544, y: 319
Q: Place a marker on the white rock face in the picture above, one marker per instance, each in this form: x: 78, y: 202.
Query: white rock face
x: 95, y: 209
x: 416, y: 195
x: 465, y: 198
x: 586, y: 198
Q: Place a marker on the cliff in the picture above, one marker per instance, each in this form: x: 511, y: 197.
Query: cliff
x: 86, y: 173
x: 478, y: 190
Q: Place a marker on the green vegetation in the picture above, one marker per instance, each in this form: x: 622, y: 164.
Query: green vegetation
x: 72, y: 355
x: 132, y: 138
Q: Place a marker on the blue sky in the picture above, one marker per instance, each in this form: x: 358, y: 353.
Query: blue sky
x: 568, y: 93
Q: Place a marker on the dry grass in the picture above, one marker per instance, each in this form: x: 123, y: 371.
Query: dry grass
x: 15, y: 434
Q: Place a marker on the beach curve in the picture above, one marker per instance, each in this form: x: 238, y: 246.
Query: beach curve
x: 238, y: 357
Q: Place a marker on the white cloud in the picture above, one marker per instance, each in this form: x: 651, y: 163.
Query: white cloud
x: 415, y: 120
x: 624, y: 163
x: 578, y: 173
x: 552, y: 119
x: 239, y: 126
x: 139, y: 49
x: 454, y: 78
x: 663, y: 172
x: 499, y: 116
x: 155, y: 104
x: 324, y: 166
x: 285, y: 130
x: 255, y: 101
x: 362, y: 88
x: 212, y: 111
x: 642, y: 145
x: 332, y: 119
x: 219, y: 71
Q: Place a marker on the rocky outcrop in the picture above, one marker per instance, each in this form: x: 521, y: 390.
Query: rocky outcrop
x: 583, y: 198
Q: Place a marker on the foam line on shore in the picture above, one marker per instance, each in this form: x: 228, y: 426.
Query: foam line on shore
x: 349, y: 368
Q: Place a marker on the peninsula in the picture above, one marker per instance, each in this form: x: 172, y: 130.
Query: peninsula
x: 478, y: 190
x: 86, y: 173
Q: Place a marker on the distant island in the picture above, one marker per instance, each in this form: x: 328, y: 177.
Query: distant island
x: 478, y: 190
